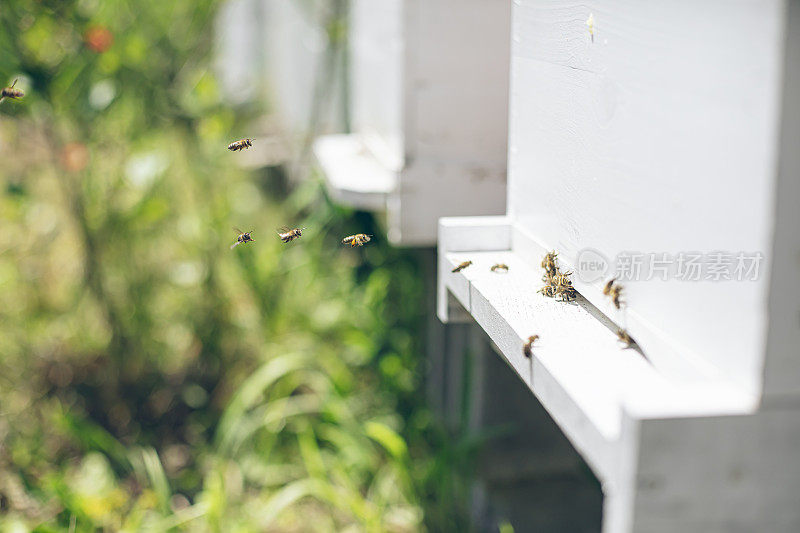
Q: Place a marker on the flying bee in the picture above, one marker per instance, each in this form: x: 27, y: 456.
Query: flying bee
x: 11, y: 92
x: 614, y: 291
x: 623, y: 336
x: 242, y: 238
x: 288, y: 235
x: 359, y: 239
x: 462, y: 266
x: 499, y: 266
x: 549, y: 264
x: 526, y: 348
x: 240, y: 145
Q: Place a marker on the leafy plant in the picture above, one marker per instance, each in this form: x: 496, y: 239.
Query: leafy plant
x: 150, y: 378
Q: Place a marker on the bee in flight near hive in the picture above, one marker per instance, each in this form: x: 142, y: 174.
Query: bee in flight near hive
x: 288, y: 235
x: 500, y: 266
x: 240, y: 145
x: 11, y: 92
x: 242, y: 238
x: 526, y: 348
x: 462, y: 266
x: 359, y: 239
x: 614, y: 291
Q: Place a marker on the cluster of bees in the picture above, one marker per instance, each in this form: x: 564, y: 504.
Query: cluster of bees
x: 285, y: 234
x: 556, y: 283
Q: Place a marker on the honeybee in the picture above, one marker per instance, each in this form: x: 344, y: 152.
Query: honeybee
x: 548, y: 290
x: 623, y: 336
x: 288, y: 235
x: 499, y: 266
x: 562, y: 279
x: 462, y: 266
x: 11, y: 92
x: 526, y: 348
x: 549, y: 265
x: 242, y: 238
x: 567, y: 293
x: 240, y: 145
x: 563, y: 286
x: 359, y: 239
x: 614, y: 291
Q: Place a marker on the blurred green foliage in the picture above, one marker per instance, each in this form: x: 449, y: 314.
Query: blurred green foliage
x: 152, y: 379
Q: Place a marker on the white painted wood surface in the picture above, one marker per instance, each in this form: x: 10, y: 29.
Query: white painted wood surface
x: 579, y: 370
x: 353, y: 174
x: 782, y: 369
x: 237, y: 29
x: 655, y: 135
x: 377, y: 48
x: 294, y: 43
x: 430, y: 101
x: 673, y: 451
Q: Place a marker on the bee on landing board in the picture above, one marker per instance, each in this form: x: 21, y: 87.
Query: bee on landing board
x: 500, y: 266
x: 240, y: 145
x: 288, y: 235
x: 548, y: 290
x: 563, y: 286
x: 462, y: 266
x: 526, y: 348
x: 613, y: 290
x: 359, y: 239
x: 11, y: 92
x: 623, y: 336
x: 242, y: 238
x: 549, y: 265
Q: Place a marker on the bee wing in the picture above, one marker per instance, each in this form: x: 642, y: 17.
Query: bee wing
x: 234, y: 245
x: 237, y: 230
x: 282, y: 229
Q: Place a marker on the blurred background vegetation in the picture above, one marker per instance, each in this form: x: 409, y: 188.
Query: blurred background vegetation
x: 152, y: 379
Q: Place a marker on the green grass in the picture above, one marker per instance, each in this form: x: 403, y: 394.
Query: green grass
x: 151, y: 378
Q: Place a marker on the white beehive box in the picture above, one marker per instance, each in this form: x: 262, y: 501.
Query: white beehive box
x: 640, y: 129
x: 429, y: 97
